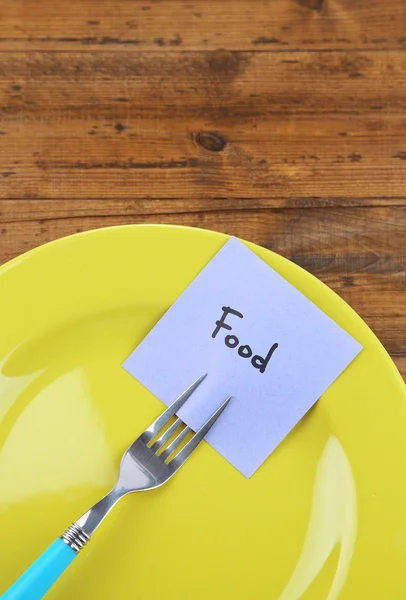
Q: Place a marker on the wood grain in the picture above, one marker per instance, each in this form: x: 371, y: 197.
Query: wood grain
x: 400, y: 362
x: 83, y: 124
x: 282, y: 122
x: 178, y: 25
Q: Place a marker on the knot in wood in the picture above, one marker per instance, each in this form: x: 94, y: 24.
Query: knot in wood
x: 211, y: 141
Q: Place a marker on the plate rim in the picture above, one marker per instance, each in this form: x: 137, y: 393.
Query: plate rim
x: 7, y: 266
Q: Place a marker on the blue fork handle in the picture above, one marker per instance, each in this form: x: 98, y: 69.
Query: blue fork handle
x: 40, y: 577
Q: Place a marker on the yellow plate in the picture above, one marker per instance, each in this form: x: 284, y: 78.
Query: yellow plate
x: 323, y: 518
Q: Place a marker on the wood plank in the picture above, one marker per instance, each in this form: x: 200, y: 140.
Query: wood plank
x: 359, y: 252
x: 400, y: 362
x: 178, y: 25
x: 221, y: 124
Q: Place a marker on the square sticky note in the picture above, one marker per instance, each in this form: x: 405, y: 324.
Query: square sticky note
x: 259, y: 339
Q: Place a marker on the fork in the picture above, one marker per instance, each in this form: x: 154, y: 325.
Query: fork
x: 148, y: 463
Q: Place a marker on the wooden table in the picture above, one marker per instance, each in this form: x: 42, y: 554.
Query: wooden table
x: 280, y: 121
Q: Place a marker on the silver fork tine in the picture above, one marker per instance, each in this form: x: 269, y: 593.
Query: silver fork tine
x: 166, y: 435
x: 184, y: 454
x: 175, y: 443
x: 163, y: 419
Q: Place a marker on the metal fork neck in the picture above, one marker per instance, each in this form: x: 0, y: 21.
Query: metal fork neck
x: 90, y: 521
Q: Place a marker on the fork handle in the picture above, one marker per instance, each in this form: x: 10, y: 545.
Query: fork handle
x: 43, y: 573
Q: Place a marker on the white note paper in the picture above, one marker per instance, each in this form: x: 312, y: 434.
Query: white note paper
x: 259, y: 339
